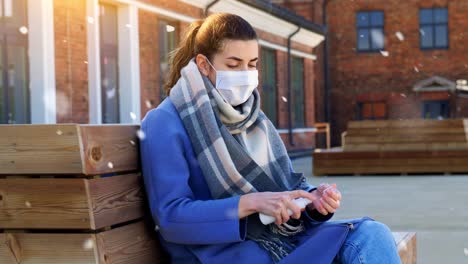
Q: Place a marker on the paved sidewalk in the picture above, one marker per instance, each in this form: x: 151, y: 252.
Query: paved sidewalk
x: 436, y: 207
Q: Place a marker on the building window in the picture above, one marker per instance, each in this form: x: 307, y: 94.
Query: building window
x: 14, y: 79
x: 109, y: 63
x: 168, y: 32
x: 436, y: 110
x: 297, y: 100
x: 372, y: 111
x: 269, y: 89
x: 370, y: 31
x: 433, y: 28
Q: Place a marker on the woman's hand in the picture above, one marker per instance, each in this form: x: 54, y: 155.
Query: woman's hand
x: 275, y: 204
x: 327, y: 199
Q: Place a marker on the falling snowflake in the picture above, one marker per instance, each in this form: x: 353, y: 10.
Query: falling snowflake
x: 128, y: 25
x: 85, y: 62
x: 422, y: 32
x: 132, y: 142
x: 416, y: 69
x: 23, y: 30
x: 231, y: 213
x: 59, y: 132
x: 400, y: 36
x: 140, y: 134
x: 148, y: 104
x: 110, y: 165
x: 465, y: 250
x: 132, y: 116
x: 111, y: 93
x: 284, y: 99
x: 28, y: 204
x: 90, y: 20
x: 403, y: 95
x: 61, y: 106
x: 170, y: 28
x: 88, y: 244
x: 384, y: 53
x: 378, y: 38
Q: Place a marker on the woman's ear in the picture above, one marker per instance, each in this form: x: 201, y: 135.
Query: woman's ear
x: 202, y: 64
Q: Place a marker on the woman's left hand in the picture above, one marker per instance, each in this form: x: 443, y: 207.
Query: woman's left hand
x: 328, y: 199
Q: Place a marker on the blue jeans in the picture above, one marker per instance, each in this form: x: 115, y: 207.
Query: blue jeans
x: 370, y: 242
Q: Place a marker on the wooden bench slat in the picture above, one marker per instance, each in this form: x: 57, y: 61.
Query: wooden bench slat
x: 129, y: 244
x: 68, y: 149
x: 70, y: 203
x: 407, y: 123
x: 389, y: 162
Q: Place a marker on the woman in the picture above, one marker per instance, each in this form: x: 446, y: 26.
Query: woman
x: 212, y: 161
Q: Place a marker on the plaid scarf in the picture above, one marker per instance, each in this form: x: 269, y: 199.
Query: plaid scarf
x: 239, y: 152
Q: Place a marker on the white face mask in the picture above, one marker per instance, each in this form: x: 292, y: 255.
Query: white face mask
x: 236, y: 86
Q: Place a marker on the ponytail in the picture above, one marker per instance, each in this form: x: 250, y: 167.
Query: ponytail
x: 182, y: 55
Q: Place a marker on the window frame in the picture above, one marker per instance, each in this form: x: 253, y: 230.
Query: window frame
x: 433, y: 26
x: 425, y: 103
x: 360, y: 108
x: 369, y: 28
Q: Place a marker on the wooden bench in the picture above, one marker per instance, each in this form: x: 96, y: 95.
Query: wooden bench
x: 397, y: 147
x: 406, y: 243
x: 74, y: 194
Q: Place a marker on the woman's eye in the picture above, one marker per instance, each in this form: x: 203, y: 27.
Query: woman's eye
x: 232, y: 66
x: 253, y: 66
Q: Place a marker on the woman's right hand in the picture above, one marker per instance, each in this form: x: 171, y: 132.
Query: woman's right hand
x: 275, y: 204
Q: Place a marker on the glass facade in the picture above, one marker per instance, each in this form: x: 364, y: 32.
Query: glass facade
x: 14, y: 79
x: 109, y: 63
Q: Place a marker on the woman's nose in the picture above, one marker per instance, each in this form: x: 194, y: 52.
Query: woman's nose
x: 245, y: 67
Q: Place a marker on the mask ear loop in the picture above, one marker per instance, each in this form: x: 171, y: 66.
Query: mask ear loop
x: 209, y: 62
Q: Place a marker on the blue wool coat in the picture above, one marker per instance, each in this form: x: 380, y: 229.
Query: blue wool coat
x: 192, y: 226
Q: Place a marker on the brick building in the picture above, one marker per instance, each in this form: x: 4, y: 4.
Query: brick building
x: 392, y: 59
x: 91, y: 61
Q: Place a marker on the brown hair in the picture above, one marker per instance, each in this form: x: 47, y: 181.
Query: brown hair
x: 206, y: 37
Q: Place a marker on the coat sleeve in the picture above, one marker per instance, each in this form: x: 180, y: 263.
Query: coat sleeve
x: 181, y: 218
